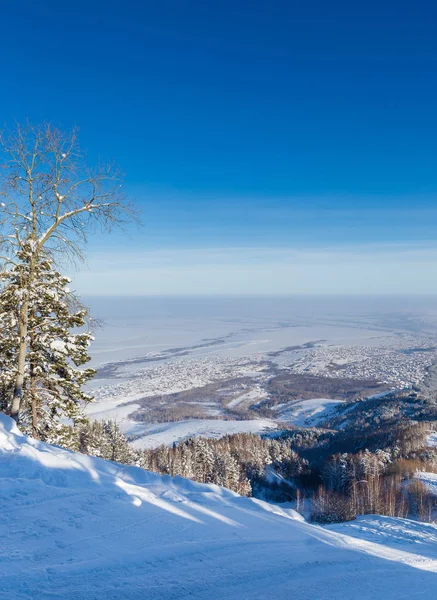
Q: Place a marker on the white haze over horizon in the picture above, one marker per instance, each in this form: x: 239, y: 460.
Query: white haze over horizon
x: 393, y: 269
x: 134, y: 326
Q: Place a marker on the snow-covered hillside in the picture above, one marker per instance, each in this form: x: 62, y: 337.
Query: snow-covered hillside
x: 156, y: 434
x: 306, y: 413
x: 75, y: 527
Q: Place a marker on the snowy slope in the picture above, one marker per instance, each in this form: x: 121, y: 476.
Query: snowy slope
x: 307, y: 413
x: 429, y: 479
x: 75, y: 527
x: 156, y: 434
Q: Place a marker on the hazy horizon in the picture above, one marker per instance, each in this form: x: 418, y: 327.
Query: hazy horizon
x: 288, y: 149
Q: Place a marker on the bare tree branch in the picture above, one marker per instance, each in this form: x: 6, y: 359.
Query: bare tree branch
x: 50, y: 202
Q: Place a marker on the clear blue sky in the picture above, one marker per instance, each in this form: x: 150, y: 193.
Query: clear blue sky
x: 256, y: 135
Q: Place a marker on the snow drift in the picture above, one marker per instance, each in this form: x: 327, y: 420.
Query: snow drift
x: 75, y: 527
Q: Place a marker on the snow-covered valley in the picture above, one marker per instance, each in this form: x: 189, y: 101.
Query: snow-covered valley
x: 155, y: 434
x: 171, y: 368
x: 76, y: 527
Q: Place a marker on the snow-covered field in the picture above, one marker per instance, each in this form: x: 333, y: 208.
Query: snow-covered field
x: 429, y: 480
x: 306, y: 413
x: 255, y: 395
x: 153, y: 347
x: 228, y: 327
x: 156, y: 434
x: 171, y: 377
x: 431, y: 440
x: 79, y: 528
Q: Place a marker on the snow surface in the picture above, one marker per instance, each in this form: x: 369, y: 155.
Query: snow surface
x: 156, y: 434
x: 167, y: 378
x: 255, y: 395
x: 307, y: 413
x: 76, y: 527
x: 429, y: 479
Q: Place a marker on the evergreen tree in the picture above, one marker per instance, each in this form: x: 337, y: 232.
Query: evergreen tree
x: 117, y: 444
x: 90, y: 439
x: 52, y: 393
x: 51, y: 201
x: 187, y: 467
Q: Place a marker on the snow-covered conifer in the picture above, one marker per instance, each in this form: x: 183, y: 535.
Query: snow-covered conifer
x: 52, y: 390
x: 119, y: 449
x: 51, y: 200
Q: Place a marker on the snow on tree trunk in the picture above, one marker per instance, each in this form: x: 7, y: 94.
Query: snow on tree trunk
x: 47, y: 383
x: 51, y: 201
x: 21, y: 362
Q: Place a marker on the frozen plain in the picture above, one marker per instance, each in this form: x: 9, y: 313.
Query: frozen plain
x: 152, y: 346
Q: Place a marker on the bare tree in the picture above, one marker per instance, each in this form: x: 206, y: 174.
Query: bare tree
x: 50, y: 202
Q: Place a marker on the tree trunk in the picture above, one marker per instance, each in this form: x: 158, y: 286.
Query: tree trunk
x: 32, y: 383
x: 21, y: 362
x: 34, y: 418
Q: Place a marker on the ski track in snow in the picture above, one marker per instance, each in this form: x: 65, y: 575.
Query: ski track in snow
x: 75, y: 527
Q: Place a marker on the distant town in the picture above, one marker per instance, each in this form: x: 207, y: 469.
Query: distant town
x: 401, y: 361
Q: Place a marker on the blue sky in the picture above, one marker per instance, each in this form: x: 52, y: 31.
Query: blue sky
x: 275, y: 147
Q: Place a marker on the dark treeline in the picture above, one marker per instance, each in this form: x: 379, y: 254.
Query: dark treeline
x: 240, y: 462
x: 301, y: 466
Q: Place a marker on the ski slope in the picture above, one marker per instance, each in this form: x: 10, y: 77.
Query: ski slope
x: 75, y: 527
